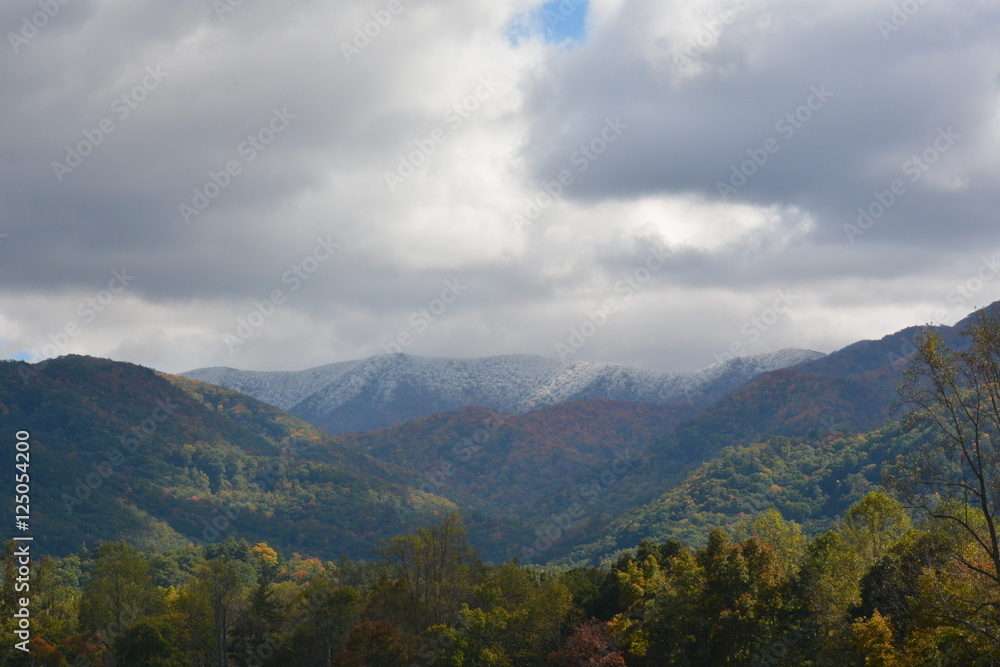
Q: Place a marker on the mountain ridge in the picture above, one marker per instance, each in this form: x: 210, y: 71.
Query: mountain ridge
x: 387, y: 390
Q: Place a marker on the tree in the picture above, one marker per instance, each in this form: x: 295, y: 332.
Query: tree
x: 825, y: 588
x: 120, y: 592
x: 591, y: 645
x: 221, y: 585
x: 785, y: 537
x: 873, y: 524
x: 643, y: 586
x: 373, y: 643
x: 56, y: 605
x: 954, y: 477
x: 148, y: 644
x: 875, y: 640
x: 327, y: 613
x: 262, y: 615
x: 722, y: 605
x: 428, y: 576
x: 595, y: 592
x: 519, y: 617
x: 744, y: 596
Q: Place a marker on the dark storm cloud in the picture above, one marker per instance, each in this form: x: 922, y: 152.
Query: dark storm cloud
x: 883, y: 101
x: 224, y: 140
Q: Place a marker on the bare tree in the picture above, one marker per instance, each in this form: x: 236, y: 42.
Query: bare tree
x: 955, y: 475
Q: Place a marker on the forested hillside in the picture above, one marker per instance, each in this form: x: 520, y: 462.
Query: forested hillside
x: 808, y: 480
x: 121, y: 452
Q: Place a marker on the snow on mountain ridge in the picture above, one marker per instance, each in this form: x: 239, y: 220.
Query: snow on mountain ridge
x: 509, y: 383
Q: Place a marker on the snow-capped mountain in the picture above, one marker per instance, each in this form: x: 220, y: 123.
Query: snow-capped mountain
x: 389, y: 389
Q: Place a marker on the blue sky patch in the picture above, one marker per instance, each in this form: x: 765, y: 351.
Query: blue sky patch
x: 556, y: 22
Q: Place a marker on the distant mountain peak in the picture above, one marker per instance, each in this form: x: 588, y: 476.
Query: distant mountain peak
x: 388, y: 389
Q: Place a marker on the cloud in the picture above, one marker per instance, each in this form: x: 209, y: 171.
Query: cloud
x: 741, y: 135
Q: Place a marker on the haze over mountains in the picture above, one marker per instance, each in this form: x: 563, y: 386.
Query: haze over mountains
x: 387, y: 390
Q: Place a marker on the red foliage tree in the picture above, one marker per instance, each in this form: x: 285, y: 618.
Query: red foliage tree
x: 371, y: 644
x: 590, y: 645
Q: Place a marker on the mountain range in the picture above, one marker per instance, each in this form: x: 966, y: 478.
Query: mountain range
x: 545, y: 461
x: 387, y: 390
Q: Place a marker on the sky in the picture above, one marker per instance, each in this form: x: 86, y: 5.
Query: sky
x: 281, y: 185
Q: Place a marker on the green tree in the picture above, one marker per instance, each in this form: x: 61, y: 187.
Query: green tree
x: 56, y: 606
x: 427, y: 577
x: 263, y: 616
x: 195, y: 613
x: 325, y: 612
x: 873, y: 524
x: 721, y: 606
x: 929, y: 598
x: 148, y: 644
x: 221, y: 585
x: 785, y: 537
x: 595, y: 592
x: 120, y: 592
x: 519, y: 618
x: 826, y: 588
x: 643, y: 587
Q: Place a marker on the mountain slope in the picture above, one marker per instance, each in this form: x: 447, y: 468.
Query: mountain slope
x: 513, y: 466
x: 391, y: 389
x: 809, y: 481
x: 781, y: 441
x: 119, y: 451
x: 605, y: 457
x: 787, y: 403
x: 870, y: 355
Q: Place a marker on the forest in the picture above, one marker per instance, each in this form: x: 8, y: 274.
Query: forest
x: 877, y: 590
